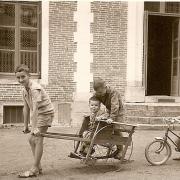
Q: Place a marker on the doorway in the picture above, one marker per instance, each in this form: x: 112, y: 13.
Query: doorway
x: 159, y: 56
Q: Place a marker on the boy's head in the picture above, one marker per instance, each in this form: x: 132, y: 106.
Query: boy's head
x: 94, y: 104
x: 99, y: 86
x: 22, y: 74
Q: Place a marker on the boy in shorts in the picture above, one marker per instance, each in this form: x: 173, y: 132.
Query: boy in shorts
x: 37, y: 106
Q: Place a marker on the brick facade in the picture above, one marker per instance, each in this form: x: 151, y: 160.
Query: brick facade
x: 109, y: 45
x: 109, y: 49
x: 62, y: 49
x: 61, y: 55
x: 10, y: 92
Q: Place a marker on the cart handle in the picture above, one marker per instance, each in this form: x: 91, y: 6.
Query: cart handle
x: 118, y: 123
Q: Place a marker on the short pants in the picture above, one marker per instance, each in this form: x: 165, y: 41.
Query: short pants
x: 44, y: 120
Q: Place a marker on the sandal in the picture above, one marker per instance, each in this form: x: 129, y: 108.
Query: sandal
x: 177, y: 149
x: 118, y: 155
x: 28, y: 174
x: 40, y: 171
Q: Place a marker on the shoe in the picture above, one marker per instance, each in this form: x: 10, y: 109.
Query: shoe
x: 177, y: 149
x: 82, y: 153
x: 40, y: 171
x: 118, y: 155
x: 28, y: 174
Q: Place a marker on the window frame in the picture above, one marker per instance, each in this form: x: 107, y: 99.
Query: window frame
x: 17, y: 50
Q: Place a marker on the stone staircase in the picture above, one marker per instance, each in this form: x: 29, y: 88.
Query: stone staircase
x: 151, y: 113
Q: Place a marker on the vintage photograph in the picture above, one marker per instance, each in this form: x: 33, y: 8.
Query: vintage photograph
x: 89, y: 90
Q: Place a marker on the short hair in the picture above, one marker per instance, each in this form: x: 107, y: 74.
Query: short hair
x: 22, y: 67
x: 94, y: 98
x: 98, y: 83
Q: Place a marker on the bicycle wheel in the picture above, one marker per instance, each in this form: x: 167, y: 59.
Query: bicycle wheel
x: 157, y: 152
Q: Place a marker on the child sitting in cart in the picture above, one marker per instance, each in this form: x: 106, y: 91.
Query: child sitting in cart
x: 89, y: 126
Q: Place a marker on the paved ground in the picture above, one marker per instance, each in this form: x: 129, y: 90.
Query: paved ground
x: 15, y: 156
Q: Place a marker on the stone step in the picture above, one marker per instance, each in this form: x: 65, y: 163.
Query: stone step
x: 144, y: 120
x: 153, y: 127
x: 152, y: 109
x: 152, y: 113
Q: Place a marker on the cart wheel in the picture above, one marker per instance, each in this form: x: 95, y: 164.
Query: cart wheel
x: 105, y: 153
x: 158, y: 152
x: 127, y: 158
x: 129, y: 152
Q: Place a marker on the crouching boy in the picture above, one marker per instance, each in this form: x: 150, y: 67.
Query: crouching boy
x: 37, y: 106
x: 112, y: 100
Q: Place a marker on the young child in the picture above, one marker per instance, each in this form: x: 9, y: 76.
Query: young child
x: 37, y: 106
x: 112, y: 100
x: 89, y: 126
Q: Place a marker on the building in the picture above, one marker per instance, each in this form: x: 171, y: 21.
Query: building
x: 134, y: 46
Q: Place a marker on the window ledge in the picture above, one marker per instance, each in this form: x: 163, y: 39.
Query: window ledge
x: 11, y: 79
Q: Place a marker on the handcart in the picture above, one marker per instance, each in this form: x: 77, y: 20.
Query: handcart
x: 103, y: 143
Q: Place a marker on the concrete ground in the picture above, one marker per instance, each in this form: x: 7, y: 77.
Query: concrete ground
x: 15, y: 156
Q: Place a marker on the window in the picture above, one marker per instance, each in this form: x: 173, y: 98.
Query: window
x: 172, y: 7
x: 13, y: 114
x: 152, y: 6
x: 19, y: 36
x: 169, y: 7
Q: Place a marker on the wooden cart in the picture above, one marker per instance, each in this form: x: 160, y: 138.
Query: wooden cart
x: 103, y: 137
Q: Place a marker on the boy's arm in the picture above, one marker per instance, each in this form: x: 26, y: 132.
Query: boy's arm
x: 26, y: 114
x: 115, y: 105
x: 36, y: 97
x: 34, y: 112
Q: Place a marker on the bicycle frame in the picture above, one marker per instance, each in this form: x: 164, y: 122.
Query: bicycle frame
x: 168, y: 131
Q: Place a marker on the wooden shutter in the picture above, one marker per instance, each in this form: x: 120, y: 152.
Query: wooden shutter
x: 13, y: 114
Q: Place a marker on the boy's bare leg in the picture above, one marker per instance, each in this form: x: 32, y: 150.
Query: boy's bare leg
x: 33, y: 146
x: 39, y: 148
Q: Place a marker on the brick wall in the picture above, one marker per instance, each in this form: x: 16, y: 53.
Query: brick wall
x: 61, y: 60
x: 61, y: 52
x: 109, y: 45
x: 10, y: 92
x: 62, y: 49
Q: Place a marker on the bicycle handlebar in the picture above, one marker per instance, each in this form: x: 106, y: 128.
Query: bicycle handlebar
x: 172, y: 120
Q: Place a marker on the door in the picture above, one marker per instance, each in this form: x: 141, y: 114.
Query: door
x: 145, y: 36
x: 175, y: 71
x: 157, y: 53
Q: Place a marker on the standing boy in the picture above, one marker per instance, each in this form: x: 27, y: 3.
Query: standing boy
x: 112, y: 100
x: 37, y: 106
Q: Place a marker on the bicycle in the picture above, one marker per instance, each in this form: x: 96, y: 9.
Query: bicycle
x: 159, y: 150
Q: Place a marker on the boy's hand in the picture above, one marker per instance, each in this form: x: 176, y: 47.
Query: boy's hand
x: 36, y: 132
x: 109, y: 121
x: 98, y: 118
x: 26, y: 131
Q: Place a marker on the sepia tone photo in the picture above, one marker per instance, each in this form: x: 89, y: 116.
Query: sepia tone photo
x: 89, y: 90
